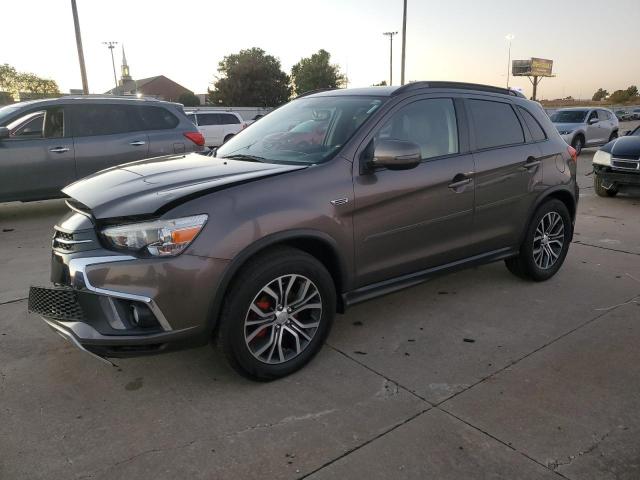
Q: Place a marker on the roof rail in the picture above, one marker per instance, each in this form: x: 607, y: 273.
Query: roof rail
x: 460, y: 85
x: 107, y: 95
x: 311, y: 92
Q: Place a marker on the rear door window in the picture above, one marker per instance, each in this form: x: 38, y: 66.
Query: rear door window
x: 105, y: 119
x: 157, y: 118
x: 205, y: 119
x: 537, y: 132
x: 603, y: 115
x: 228, y: 119
x: 495, y: 124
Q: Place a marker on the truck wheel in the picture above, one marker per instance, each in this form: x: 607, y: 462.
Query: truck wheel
x: 227, y: 138
x: 600, y: 190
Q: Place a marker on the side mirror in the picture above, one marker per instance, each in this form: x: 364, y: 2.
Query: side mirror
x: 4, y: 133
x: 592, y: 121
x: 395, y: 155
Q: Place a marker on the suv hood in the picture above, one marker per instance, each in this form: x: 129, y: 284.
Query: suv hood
x: 624, y: 147
x: 143, y: 187
x: 567, y: 126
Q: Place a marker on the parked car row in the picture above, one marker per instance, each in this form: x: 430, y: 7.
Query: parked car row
x: 625, y: 116
x: 48, y: 144
x: 585, y: 127
x: 217, y: 127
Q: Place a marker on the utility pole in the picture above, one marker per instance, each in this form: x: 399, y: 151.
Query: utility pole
x: 390, y: 35
x: 509, y: 37
x: 404, y: 41
x: 83, y: 70
x: 111, y: 46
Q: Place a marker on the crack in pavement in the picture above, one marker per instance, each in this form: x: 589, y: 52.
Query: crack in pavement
x: 285, y: 421
x: 579, y: 242
x: 555, y: 464
x: 15, y: 300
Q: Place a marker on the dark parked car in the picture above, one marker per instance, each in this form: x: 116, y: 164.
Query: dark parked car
x: 47, y: 144
x: 617, y: 164
x: 260, y: 247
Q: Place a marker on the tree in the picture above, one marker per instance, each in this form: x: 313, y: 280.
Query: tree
x: 383, y: 83
x: 600, y: 94
x: 15, y: 82
x: 632, y: 91
x: 250, y: 78
x: 189, y: 99
x: 316, y: 72
x: 619, y: 96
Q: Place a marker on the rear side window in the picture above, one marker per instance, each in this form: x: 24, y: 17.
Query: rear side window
x: 537, y: 132
x: 104, y: 119
x: 227, y: 119
x: 192, y: 118
x: 495, y: 124
x: 157, y: 118
x: 603, y: 115
x: 208, y: 119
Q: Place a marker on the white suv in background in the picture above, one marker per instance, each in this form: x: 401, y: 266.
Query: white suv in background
x: 217, y: 127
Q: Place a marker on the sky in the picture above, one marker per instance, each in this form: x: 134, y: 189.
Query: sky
x: 593, y: 43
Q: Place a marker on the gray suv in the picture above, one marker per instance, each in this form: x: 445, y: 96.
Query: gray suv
x: 586, y: 127
x: 47, y: 144
x: 261, y: 245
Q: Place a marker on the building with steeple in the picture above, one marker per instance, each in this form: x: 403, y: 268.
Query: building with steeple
x: 159, y: 86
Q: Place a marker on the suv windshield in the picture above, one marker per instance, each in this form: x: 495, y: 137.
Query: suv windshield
x: 307, y: 130
x: 569, y: 116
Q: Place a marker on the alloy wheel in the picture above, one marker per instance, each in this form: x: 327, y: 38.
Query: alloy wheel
x: 548, y: 240
x: 282, y: 319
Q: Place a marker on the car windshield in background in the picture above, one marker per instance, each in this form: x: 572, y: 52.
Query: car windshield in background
x: 307, y: 130
x: 569, y: 116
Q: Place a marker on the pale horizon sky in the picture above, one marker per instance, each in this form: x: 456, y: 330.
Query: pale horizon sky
x: 593, y: 44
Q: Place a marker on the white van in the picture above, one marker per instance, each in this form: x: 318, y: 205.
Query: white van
x: 217, y: 127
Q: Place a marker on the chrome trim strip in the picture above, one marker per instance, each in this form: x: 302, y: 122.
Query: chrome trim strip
x: 71, y: 338
x: 70, y: 242
x: 79, y: 265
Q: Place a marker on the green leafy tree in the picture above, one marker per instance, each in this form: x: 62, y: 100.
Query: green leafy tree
x: 316, y: 72
x: 383, y: 83
x: 15, y: 82
x: 189, y: 99
x: 250, y: 78
x: 600, y: 94
x: 632, y: 91
x: 619, y: 96
x: 8, y: 76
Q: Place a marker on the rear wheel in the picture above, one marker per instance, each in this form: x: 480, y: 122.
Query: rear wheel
x: 546, y: 243
x: 601, y: 191
x: 278, y: 314
x: 578, y: 143
x: 227, y: 138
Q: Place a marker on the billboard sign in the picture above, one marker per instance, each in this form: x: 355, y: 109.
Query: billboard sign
x: 539, y: 67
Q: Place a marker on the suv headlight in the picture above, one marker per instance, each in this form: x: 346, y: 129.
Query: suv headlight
x: 602, y: 158
x: 160, y: 238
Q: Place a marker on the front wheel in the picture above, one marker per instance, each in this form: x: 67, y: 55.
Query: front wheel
x: 577, y: 143
x: 546, y: 243
x: 278, y: 314
x: 613, y: 136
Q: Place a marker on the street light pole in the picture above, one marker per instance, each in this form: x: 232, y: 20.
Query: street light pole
x: 390, y: 35
x: 111, y: 46
x: 509, y: 37
x: 83, y: 70
x: 404, y: 41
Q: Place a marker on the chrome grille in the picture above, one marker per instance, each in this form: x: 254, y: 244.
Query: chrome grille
x: 67, y: 242
x: 624, y: 164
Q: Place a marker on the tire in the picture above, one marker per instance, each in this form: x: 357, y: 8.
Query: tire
x: 578, y: 144
x: 227, y: 138
x: 613, y: 136
x: 250, y: 324
x: 531, y: 259
x: 600, y: 190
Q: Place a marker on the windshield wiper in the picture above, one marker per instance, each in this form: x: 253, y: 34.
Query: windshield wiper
x: 248, y: 158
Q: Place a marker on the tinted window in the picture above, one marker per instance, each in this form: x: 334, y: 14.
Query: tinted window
x: 54, y: 123
x: 227, y: 119
x: 192, y: 117
x: 593, y: 114
x: 157, y: 118
x: 208, y: 119
x: 534, y: 127
x: 495, y: 124
x: 429, y: 123
x: 105, y: 119
x: 569, y: 116
x: 29, y: 125
x: 603, y: 115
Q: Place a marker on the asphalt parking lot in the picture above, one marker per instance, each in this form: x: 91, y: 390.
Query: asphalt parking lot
x: 474, y: 375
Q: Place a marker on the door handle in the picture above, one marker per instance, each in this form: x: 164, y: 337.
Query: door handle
x: 138, y: 143
x: 59, y: 149
x: 459, y: 181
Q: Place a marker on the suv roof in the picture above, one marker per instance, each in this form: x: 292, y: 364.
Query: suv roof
x: 66, y: 99
x: 409, y: 87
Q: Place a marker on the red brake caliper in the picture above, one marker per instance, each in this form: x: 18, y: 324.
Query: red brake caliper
x: 263, y: 304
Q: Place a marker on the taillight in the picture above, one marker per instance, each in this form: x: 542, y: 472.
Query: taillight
x: 573, y: 153
x: 195, y: 137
